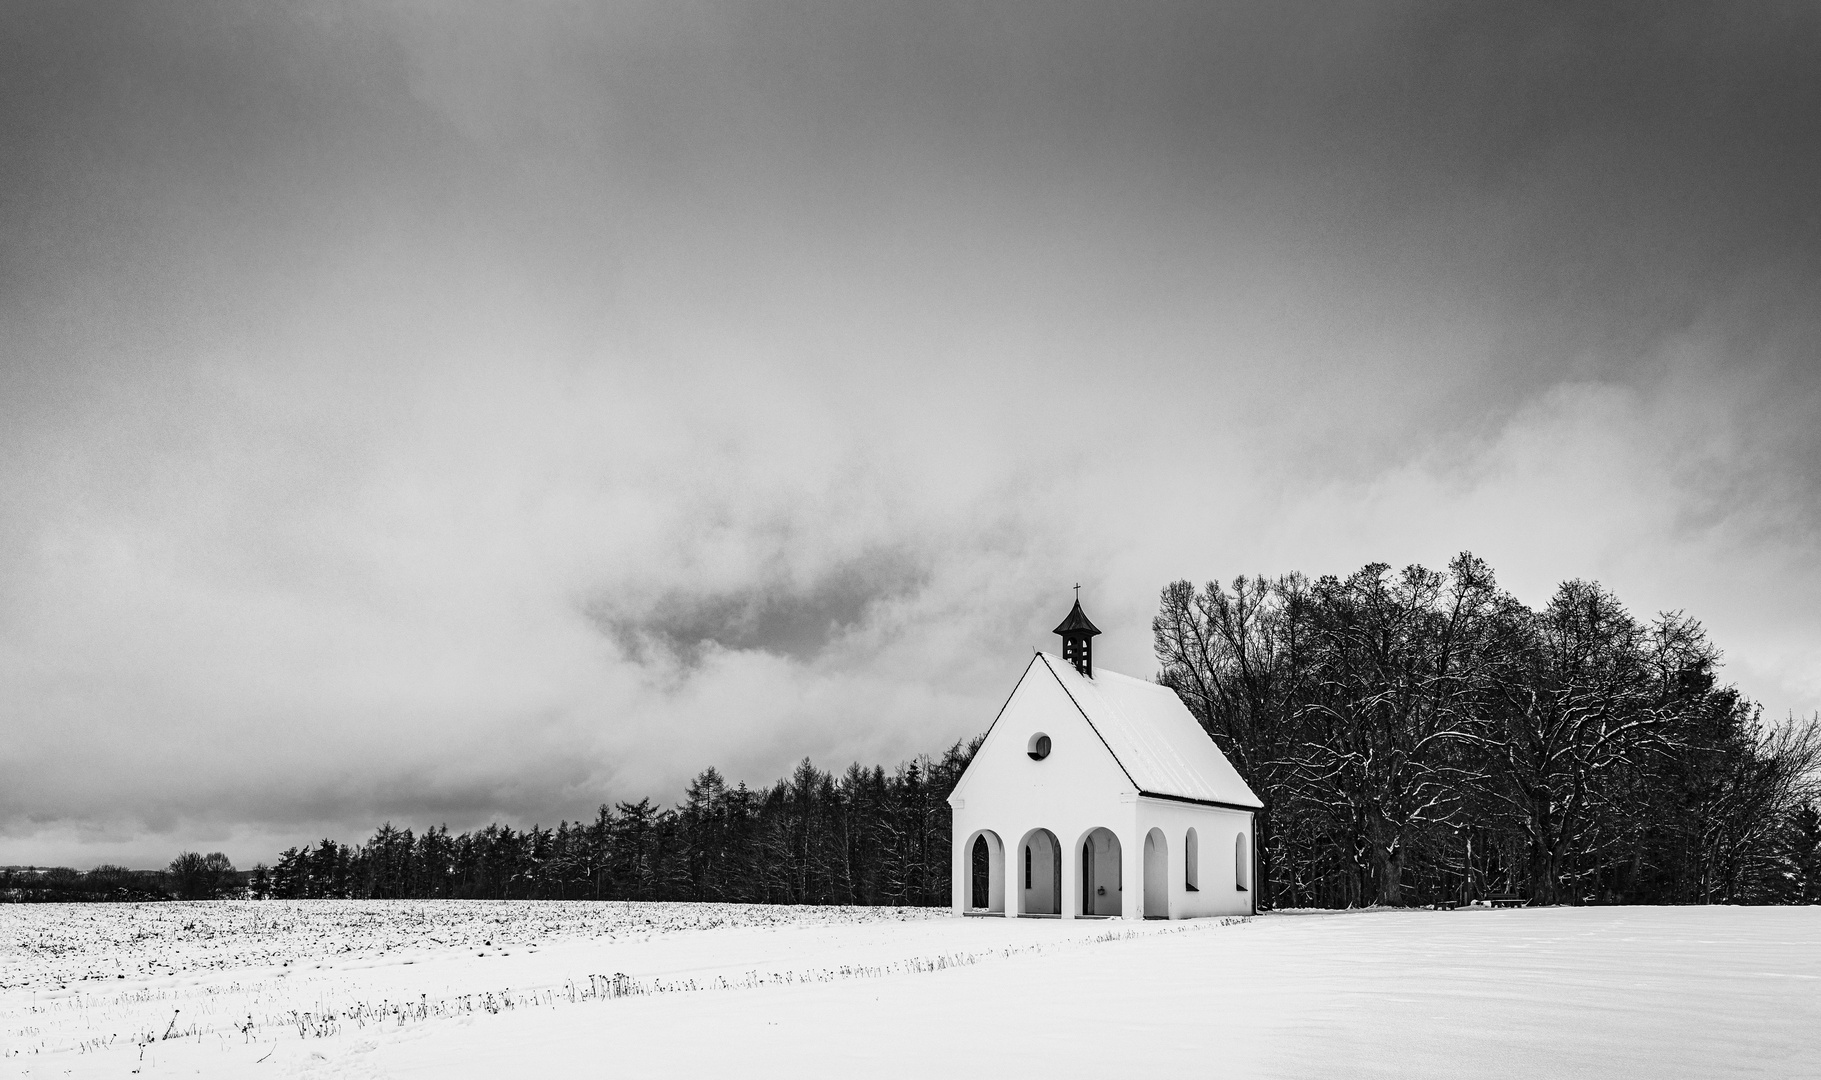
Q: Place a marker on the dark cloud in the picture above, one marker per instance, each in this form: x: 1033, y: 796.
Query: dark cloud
x: 774, y: 617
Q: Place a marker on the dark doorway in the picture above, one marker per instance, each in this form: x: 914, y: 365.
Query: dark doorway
x: 983, y: 873
x: 1087, y: 878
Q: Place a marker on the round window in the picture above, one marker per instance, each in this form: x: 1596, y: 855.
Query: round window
x: 1038, y: 747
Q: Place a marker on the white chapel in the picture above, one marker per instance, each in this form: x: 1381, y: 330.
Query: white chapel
x: 1097, y: 795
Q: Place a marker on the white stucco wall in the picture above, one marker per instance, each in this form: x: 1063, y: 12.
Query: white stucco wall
x: 1078, y: 788
x: 1216, y: 830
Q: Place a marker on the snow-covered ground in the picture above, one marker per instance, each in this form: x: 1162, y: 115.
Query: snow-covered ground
x: 454, y: 989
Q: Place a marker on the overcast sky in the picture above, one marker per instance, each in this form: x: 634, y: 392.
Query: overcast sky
x: 434, y: 416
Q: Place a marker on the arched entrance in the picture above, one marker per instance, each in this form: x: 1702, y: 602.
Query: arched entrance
x: 986, y: 874
x: 1102, y: 871
x: 1156, y: 875
x: 1039, y: 873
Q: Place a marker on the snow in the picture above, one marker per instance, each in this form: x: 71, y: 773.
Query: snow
x: 348, y: 989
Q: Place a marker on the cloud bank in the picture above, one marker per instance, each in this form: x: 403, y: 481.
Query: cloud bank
x: 445, y: 416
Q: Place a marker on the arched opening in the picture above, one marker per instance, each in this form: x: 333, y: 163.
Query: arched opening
x: 983, y: 870
x: 1191, y: 862
x: 1040, y: 874
x: 986, y: 874
x: 1102, y: 871
x: 1156, y: 875
x: 1242, y: 864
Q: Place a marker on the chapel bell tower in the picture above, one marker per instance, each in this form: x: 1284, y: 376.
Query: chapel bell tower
x: 1078, y: 638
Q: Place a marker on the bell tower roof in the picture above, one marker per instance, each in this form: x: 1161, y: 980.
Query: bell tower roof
x: 1077, y: 623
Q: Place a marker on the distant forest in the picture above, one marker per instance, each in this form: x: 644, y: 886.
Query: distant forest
x: 1417, y: 737
x: 865, y: 836
x: 189, y: 877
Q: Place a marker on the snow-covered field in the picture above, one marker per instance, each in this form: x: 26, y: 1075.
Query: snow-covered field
x: 379, y: 989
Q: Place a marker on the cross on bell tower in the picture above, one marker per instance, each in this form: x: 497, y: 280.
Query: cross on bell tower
x: 1078, y: 638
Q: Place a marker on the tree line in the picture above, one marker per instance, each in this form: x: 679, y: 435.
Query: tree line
x: 863, y: 836
x: 1422, y: 736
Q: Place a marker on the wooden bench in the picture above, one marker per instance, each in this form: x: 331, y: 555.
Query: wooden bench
x: 1506, y: 900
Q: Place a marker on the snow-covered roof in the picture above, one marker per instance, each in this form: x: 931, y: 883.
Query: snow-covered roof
x: 1152, y: 735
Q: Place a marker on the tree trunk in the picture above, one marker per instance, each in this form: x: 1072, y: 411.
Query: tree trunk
x: 1545, y: 856
x: 1264, y: 844
x: 1388, y: 864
